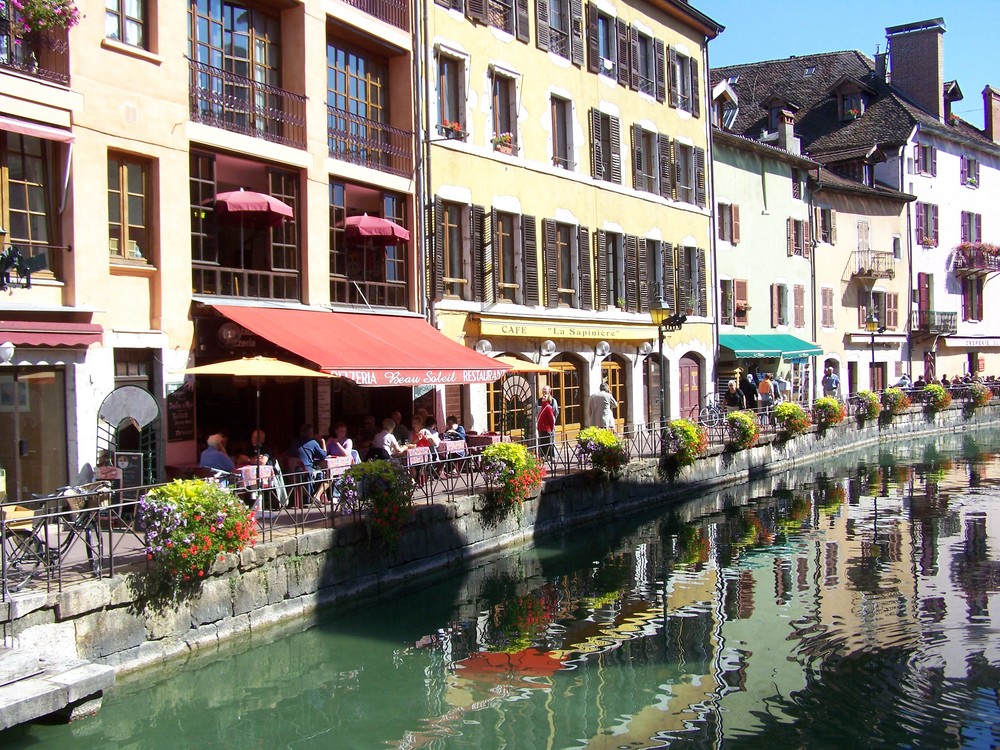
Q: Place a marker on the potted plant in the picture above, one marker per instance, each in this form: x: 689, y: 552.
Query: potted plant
x: 620, y: 303
x: 452, y: 129
x: 896, y: 402
x: 743, y: 429
x: 828, y: 411
x: 512, y: 473
x: 384, y: 491
x: 869, y: 406
x: 685, y: 441
x: 503, y: 142
x: 979, y: 395
x: 605, y: 450
x: 791, y: 418
x: 936, y: 397
x: 36, y: 16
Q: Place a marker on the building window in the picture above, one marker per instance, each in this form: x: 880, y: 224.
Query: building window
x: 357, y: 100
x: 451, y: 97
x: 605, y: 132
x: 394, y: 209
x: 508, y: 279
x: 644, y: 160
x: 827, y: 225
x: 779, y: 305
x: 453, y: 250
x: 128, y: 193
x: 646, y: 63
x: 133, y: 367
x: 684, y: 176
x: 606, y: 44
x: 897, y: 247
x: 692, y: 278
x: 729, y: 223
x: 852, y: 106
x: 799, y: 306
x: 927, y: 224
x: 727, y: 302
x: 798, y: 238
x: 125, y: 21
x: 566, y: 265
x: 614, y: 262
x: 970, y: 171
x: 683, y: 82
x: 972, y: 227
x: 826, y: 307
x: 796, y: 183
x: 559, y: 27
x: 864, y: 237
x: 885, y: 305
x: 27, y: 212
x: 504, y: 112
x: 972, y: 298
x: 502, y: 15
x: 562, y: 133
x: 926, y: 159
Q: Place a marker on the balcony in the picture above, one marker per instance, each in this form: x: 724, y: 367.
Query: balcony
x: 211, y: 278
x: 973, y: 258
x: 934, y: 322
x: 393, y: 12
x: 874, y: 264
x: 42, y: 55
x: 241, y: 105
x: 370, y: 143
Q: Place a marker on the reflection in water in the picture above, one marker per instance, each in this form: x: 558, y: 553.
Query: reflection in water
x: 847, y: 608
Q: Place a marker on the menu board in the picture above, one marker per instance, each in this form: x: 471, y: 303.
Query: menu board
x: 180, y: 414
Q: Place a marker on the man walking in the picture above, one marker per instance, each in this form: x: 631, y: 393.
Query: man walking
x: 831, y: 384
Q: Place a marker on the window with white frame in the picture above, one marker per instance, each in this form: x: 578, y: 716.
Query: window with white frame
x: 727, y: 306
x: 504, y: 112
x: 728, y: 217
x: 970, y: 171
x: 683, y: 81
x: 125, y: 21
x: 645, y: 160
x: 927, y: 224
x: 925, y: 159
x: 451, y: 97
x: 779, y: 305
x: 559, y: 27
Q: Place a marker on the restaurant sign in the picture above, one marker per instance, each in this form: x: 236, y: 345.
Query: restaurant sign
x: 415, y: 377
x: 539, y: 329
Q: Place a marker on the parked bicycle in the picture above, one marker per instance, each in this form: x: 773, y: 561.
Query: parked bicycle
x: 713, y: 413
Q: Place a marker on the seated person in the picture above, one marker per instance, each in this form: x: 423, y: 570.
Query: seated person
x: 454, y: 429
x: 340, y: 445
x: 257, y: 448
x: 428, y: 435
x: 401, y: 432
x: 367, y: 433
x: 311, y: 452
x: 214, y: 456
x: 385, y: 445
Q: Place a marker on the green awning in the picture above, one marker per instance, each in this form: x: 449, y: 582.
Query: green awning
x: 767, y: 345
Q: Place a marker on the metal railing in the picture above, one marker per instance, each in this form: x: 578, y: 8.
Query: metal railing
x: 934, y: 321
x: 43, y: 55
x: 370, y: 143
x: 976, y: 258
x: 874, y: 264
x: 393, y: 12
x: 346, y: 291
x: 242, y: 105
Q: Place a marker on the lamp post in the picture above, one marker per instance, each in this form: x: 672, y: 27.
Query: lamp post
x: 872, y: 326
x: 6, y: 357
x: 660, y: 313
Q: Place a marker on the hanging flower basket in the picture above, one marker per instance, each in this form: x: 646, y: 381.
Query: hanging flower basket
x: 45, y: 15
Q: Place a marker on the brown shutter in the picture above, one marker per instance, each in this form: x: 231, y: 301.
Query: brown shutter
x: 596, y: 150
x: 920, y: 223
x: 586, y: 291
x: 702, y: 283
x: 576, y: 31
x: 521, y: 30
x: 918, y: 159
x: 477, y: 10
x: 923, y: 292
x: 965, y: 226
x: 631, y: 273
x: 479, y: 261
x: 616, y: 150
x: 799, y: 301
x: 669, y: 270
x: 695, y: 88
x: 933, y: 161
x: 551, y: 263
x: 637, y: 156
x: 529, y: 257
x: 673, y: 170
x: 735, y: 213
x: 775, y: 299
x: 979, y: 227
x: 666, y: 165
x: 740, y: 300
x: 593, y: 43
x: 964, y: 170
x: 622, y: 63
x: 789, y: 238
x: 633, y: 38
x: 806, y: 240
x: 934, y: 223
x: 601, y: 242
x: 978, y: 281
x: 542, y: 24
x: 892, y: 310
x: 683, y: 287
x: 642, y: 258
x: 491, y: 260
x: 826, y: 296
x: 701, y: 189
x: 672, y: 93
x: 659, y: 63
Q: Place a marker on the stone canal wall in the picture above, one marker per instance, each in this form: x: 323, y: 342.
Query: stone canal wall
x: 117, y: 622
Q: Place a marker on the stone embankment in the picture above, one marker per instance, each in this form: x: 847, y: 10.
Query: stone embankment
x: 118, y: 623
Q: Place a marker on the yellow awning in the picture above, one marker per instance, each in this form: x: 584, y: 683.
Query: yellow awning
x: 520, y: 365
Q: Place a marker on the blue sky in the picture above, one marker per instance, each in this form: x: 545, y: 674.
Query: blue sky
x: 772, y: 29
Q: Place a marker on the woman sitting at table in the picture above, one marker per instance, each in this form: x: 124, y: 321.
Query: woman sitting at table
x: 427, y: 434
x: 340, y: 445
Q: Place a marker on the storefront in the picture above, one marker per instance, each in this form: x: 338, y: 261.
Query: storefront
x: 788, y: 358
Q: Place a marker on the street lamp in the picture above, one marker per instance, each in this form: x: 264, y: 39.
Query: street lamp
x: 659, y: 311
x: 872, y: 326
x: 6, y: 357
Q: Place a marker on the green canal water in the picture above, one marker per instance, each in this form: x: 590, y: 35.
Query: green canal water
x: 853, y: 604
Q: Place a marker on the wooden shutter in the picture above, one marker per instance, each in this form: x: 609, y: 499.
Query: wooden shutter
x: 616, y: 150
x: 477, y: 11
x: 789, y: 238
x: 673, y: 170
x: 826, y: 302
x: 593, y: 43
x: 683, y: 285
x: 638, y: 160
x: 491, y: 260
x: 601, y: 242
x: 920, y: 224
x: 966, y: 299
x: 642, y: 258
x: 596, y: 150
x: 529, y: 257
x: 806, y: 240
x: 965, y: 226
x: 799, y: 301
x: 622, y: 63
x: 631, y: 273
x: 669, y: 270
x: 775, y: 301
x: 436, y: 266
x: 978, y: 218
x: 964, y: 169
x: 933, y: 151
x: 586, y: 290
x: 479, y: 261
x: 934, y: 223
x: 918, y: 159
x: 978, y: 281
x: 833, y: 227
x: 576, y: 31
x: 673, y: 96
x: 740, y: 301
x: 892, y: 310
x: 542, y: 24
x: 695, y: 89
x: 521, y: 30
x: 701, y: 185
x: 633, y: 38
x: 702, y: 283
x: 923, y: 292
x: 734, y: 212
x: 549, y: 250
x: 659, y: 63
x: 665, y: 165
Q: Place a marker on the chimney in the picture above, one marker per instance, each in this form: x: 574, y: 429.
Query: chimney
x: 786, y: 133
x: 916, y: 63
x: 991, y: 111
x: 881, y: 58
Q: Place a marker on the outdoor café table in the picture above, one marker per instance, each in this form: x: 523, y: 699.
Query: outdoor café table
x: 334, y: 467
x: 418, y: 459
x: 254, y: 482
x: 479, y: 442
x: 454, y: 450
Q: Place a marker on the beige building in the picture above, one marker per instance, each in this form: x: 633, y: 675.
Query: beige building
x: 568, y: 183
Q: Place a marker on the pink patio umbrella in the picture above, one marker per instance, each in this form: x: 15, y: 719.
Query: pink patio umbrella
x: 246, y: 208
x: 374, y: 229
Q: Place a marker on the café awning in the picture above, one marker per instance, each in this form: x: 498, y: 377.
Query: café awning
x: 370, y: 349
x: 50, y: 333
x: 767, y: 345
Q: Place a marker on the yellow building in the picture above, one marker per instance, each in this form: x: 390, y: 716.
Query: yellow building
x: 568, y: 186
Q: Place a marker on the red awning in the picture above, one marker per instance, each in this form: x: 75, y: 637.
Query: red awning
x: 41, y: 333
x: 369, y: 349
x: 24, y: 127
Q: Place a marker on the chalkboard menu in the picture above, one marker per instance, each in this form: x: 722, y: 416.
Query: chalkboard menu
x: 180, y: 415
x: 130, y: 465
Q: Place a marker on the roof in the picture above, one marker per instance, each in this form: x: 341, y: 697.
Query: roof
x: 723, y: 137
x: 832, y: 181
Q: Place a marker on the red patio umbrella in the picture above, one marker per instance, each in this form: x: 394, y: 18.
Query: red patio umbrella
x: 246, y: 208
x: 510, y: 667
x: 374, y: 229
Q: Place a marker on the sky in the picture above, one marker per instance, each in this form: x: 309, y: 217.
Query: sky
x: 772, y: 29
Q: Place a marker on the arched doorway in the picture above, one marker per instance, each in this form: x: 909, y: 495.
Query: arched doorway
x: 613, y: 372
x: 565, y: 382
x: 690, y: 385
x: 651, y: 387
x: 508, y: 403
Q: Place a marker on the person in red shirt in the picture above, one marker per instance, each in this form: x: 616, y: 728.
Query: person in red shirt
x: 546, y: 428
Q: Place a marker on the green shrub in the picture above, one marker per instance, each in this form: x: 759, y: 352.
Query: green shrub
x: 685, y: 441
x: 605, y: 449
x: 896, y: 402
x: 743, y: 429
x: 791, y: 418
x: 828, y: 411
x: 869, y: 407
x: 936, y: 397
x: 385, y: 490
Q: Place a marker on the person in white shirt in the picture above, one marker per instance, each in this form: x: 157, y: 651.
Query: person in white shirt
x: 384, y: 444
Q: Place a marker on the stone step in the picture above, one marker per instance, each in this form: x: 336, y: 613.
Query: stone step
x: 60, y: 693
x: 16, y: 665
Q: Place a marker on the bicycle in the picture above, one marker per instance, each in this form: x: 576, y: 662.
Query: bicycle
x: 33, y: 540
x: 713, y: 413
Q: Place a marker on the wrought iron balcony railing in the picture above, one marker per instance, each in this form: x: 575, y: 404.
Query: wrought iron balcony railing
x: 972, y: 257
x: 874, y: 264
x: 393, y: 12
x: 241, y: 105
x: 934, y: 322
x: 43, y: 55
x: 369, y: 143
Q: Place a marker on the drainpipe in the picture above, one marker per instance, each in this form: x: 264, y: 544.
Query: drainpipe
x: 713, y: 275
x: 909, y: 264
x: 422, y: 167
x: 812, y: 286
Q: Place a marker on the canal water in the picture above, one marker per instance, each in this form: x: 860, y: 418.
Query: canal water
x: 851, y: 604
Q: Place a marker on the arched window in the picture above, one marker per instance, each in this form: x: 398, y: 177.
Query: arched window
x: 565, y: 382
x: 614, y: 372
x: 508, y: 403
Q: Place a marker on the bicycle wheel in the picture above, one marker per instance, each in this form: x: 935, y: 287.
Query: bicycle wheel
x: 25, y: 554
x: 710, y: 416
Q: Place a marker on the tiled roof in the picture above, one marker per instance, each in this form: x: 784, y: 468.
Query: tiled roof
x: 834, y: 181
